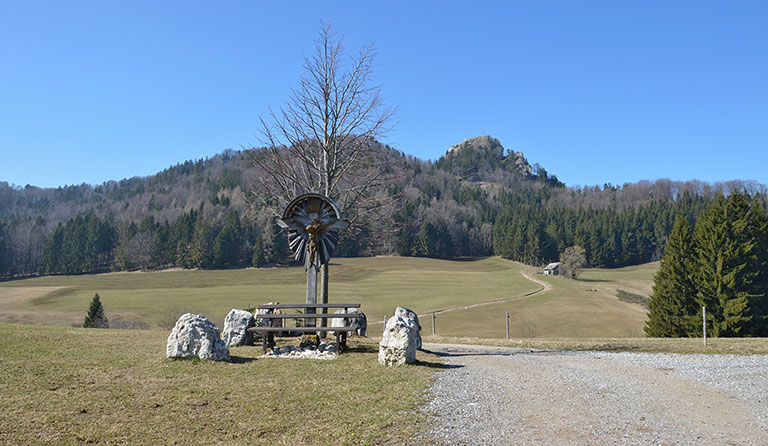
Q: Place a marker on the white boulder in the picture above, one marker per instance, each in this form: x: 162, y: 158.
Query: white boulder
x: 401, y: 339
x: 413, y: 322
x: 236, y: 325
x: 194, y: 336
x: 361, y: 323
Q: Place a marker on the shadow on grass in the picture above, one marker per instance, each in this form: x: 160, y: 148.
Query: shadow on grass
x: 240, y: 359
x: 466, y: 259
x: 361, y: 348
x: 581, y: 279
x: 437, y: 365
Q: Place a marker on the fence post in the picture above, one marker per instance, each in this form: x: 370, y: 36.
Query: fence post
x: 433, y: 324
x: 704, y: 322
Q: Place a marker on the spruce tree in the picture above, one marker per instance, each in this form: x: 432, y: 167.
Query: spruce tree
x: 95, y: 317
x: 5, y: 252
x: 426, y: 243
x: 226, y: 247
x: 727, y: 264
x: 258, y: 253
x: 760, y: 284
x: 673, y: 309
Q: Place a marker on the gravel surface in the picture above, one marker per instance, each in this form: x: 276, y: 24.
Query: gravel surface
x: 491, y: 395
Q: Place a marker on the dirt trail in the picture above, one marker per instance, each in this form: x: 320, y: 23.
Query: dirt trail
x: 492, y: 395
x: 544, y: 288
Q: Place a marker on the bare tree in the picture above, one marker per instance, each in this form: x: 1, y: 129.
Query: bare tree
x: 572, y: 259
x: 323, y: 139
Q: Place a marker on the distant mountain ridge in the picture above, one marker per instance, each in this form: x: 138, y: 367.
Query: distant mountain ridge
x: 224, y: 178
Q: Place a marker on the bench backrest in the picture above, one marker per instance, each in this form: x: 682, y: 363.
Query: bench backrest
x: 313, y: 306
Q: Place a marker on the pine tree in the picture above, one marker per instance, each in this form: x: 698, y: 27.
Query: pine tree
x: 5, y: 252
x: 95, y: 317
x: 760, y: 300
x: 258, y: 253
x: 426, y: 242
x: 726, y: 267
x: 673, y: 308
x: 200, y: 254
x: 226, y: 247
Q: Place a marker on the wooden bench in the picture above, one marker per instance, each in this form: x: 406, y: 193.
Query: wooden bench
x: 269, y: 333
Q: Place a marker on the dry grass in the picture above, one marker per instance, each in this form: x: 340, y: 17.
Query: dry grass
x: 75, y: 386
x: 571, y: 308
x: 380, y: 284
x: 736, y: 346
x: 582, y: 308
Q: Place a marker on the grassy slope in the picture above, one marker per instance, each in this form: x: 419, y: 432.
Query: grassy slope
x: 380, y: 284
x: 584, y: 308
x: 74, y: 386
x: 587, y: 307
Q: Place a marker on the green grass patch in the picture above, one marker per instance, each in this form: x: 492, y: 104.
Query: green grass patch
x: 626, y: 296
x: 75, y: 386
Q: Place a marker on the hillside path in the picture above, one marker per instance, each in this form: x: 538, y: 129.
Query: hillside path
x: 544, y: 288
x: 544, y: 285
x: 506, y: 396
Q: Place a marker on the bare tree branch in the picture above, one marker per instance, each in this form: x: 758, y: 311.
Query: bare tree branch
x: 321, y: 139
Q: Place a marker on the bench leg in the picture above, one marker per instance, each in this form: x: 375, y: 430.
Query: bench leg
x: 344, y: 340
x: 338, y: 344
x: 269, y: 341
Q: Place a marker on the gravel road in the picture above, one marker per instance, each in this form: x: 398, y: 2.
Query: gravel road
x: 505, y: 396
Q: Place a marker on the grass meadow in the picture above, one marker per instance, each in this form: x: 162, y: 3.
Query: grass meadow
x: 154, y: 298
x: 588, y: 307
x: 583, y: 308
x: 63, y: 385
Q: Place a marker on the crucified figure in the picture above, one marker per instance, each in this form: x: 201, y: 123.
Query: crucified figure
x: 314, y: 230
x: 313, y: 222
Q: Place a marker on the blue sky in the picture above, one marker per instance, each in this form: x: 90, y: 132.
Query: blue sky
x: 596, y: 92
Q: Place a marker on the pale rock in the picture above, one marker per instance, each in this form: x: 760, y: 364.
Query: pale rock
x: 324, y: 351
x: 261, y: 322
x: 236, y: 326
x: 401, y: 339
x: 413, y: 322
x: 361, y: 323
x: 194, y: 336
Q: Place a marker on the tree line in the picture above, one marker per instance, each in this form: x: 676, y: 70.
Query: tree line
x: 721, y: 263
x: 513, y: 225
x: 88, y: 244
x: 611, y: 237
x: 477, y: 200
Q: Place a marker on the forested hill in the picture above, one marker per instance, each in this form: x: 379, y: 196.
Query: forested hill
x: 477, y: 199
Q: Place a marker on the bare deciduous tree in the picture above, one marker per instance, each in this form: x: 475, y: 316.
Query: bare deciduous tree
x: 322, y: 139
x: 572, y: 259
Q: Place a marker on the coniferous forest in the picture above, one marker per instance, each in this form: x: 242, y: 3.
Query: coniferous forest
x: 720, y: 264
x: 478, y: 199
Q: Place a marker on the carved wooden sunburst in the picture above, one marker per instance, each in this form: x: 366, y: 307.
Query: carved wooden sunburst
x: 313, y: 222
